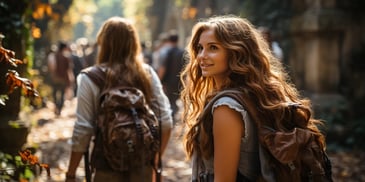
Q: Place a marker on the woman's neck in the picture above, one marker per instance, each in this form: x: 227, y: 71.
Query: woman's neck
x: 220, y: 84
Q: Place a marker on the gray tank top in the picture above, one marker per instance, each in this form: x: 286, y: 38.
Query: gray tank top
x: 249, y: 164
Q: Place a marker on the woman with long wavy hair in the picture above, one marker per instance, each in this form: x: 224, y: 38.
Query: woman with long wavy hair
x: 228, y: 52
x: 120, y: 58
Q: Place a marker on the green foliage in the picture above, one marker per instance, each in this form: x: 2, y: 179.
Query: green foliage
x: 356, y: 135
x: 13, y: 169
x: 12, y: 19
x: 18, y: 124
x: 343, y: 129
x: 270, y: 13
x: 3, y: 98
x: 15, y: 18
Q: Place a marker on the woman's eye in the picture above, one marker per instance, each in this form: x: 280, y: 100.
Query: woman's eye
x: 199, y: 48
x: 213, y: 47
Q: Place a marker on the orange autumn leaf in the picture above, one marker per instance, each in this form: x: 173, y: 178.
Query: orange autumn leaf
x: 33, y: 159
x: 28, y: 158
x: 9, y: 57
x: 13, y: 80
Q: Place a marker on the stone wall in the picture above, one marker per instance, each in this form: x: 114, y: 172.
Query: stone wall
x: 326, y: 61
x: 314, y: 58
x: 327, y: 46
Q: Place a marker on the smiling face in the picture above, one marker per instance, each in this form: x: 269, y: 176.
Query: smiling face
x: 212, y: 57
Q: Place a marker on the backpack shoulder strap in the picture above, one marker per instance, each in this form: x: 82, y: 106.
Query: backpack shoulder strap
x: 96, y: 74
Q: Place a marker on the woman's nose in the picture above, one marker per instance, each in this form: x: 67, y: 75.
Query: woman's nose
x: 202, y: 54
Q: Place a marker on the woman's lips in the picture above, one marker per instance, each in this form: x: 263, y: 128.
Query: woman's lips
x: 204, y: 66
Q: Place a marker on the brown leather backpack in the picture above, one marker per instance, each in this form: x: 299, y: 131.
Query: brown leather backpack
x: 292, y: 155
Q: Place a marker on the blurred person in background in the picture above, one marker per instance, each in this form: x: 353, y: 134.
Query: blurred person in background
x: 62, y: 77
x: 170, y: 68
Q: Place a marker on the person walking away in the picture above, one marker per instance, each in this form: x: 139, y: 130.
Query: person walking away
x: 78, y: 62
x: 62, y: 76
x: 51, y: 63
x: 228, y: 52
x: 169, y: 71
x: 160, y: 50
x: 119, y: 57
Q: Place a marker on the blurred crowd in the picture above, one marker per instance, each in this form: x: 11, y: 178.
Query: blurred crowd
x: 65, y: 60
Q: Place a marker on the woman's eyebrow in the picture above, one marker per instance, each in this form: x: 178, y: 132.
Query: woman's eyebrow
x: 210, y: 43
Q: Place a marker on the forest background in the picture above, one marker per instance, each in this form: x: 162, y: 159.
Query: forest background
x: 322, y: 41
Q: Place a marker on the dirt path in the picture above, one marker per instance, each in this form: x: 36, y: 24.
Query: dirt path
x: 52, y: 134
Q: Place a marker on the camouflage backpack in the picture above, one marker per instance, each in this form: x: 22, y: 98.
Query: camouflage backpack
x: 128, y: 134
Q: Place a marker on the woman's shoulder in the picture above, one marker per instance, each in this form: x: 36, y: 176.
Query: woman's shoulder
x: 231, y: 103
x: 84, y: 79
x: 147, y: 67
x: 149, y: 70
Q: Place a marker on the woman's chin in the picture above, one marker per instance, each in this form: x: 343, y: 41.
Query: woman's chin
x: 206, y: 74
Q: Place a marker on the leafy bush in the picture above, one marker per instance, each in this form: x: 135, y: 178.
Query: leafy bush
x: 22, y: 167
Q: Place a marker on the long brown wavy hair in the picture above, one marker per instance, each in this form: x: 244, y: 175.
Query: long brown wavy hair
x: 252, y: 67
x: 120, y: 51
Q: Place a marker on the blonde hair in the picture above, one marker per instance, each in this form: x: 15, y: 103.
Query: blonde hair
x: 252, y: 67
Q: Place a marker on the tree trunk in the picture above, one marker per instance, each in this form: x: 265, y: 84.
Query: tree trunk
x: 16, y: 35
